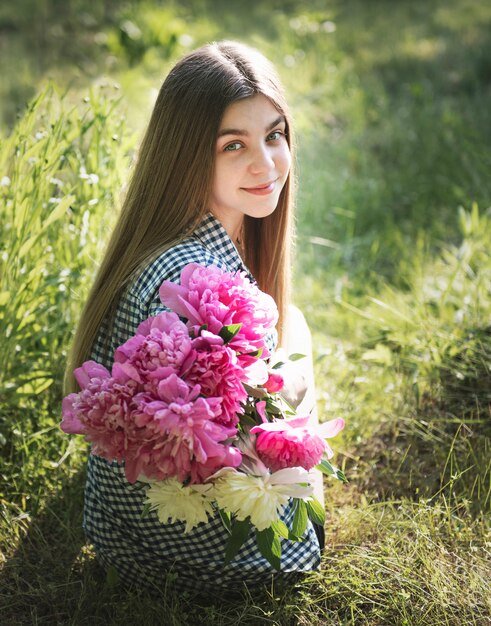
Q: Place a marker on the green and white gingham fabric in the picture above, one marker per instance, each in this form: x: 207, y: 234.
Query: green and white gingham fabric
x: 144, y: 551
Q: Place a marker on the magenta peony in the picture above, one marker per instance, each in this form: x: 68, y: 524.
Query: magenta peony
x: 175, y: 436
x: 161, y: 347
x: 217, y: 371
x: 208, y: 295
x: 172, y: 435
x: 274, y: 383
x: 100, y: 412
x: 292, y: 442
x: 151, y: 413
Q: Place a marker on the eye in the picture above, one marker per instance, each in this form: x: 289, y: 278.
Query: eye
x: 275, y: 135
x: 233, y: 147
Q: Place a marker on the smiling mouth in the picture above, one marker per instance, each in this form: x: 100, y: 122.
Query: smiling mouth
x: 261, y: 190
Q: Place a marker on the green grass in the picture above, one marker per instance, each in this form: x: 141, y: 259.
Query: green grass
x: 393, y: 271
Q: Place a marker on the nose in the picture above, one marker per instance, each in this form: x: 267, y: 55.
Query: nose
x: 261, y: 160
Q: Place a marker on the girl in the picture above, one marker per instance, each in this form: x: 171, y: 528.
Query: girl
x: 212, y: 185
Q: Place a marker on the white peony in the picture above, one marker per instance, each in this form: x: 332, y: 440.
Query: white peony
x: 175, y: 503
x: 262, y: 498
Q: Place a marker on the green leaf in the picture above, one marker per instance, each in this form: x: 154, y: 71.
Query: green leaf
x: 59, y: 211
x: 296, y: 356
x: 329, y: 470
x: 340, y: 475
x: 227, y: 333
x: 257, y: 353
x: 300, y: 518
x: 255, y: 392
x: 146, y: 510
x: 56, y: 214
x: 273, y: 409
x: 35, y: 387
x: 380, y: 354
x: 325, y: 467
x: 27, y: 245
x: 282, y: 530
x: 278, y: 365
x: 269, y: 545
x: 225, y: 517
x: 240, y: 532
x: 315, y: 511
x: 247, y: 420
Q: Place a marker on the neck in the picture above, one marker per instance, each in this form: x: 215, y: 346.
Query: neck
x: 232, y: 224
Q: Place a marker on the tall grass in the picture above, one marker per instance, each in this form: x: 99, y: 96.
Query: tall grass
x: 62, y: 170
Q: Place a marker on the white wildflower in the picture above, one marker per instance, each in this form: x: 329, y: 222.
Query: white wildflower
x: 175, y: 503
x: 92, y: 179
x: 262, y: 498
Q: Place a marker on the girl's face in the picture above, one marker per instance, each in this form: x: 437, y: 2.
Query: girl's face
x: 252, y: 162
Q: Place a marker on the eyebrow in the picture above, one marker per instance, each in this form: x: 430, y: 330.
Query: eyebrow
x: 240, y: 132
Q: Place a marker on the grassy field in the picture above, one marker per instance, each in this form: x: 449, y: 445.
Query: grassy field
x: 392, y: 103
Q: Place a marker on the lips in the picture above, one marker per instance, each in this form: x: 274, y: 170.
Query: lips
x: 261, y: 190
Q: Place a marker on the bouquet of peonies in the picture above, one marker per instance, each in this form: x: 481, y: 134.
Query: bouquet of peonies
x: 195, y: 412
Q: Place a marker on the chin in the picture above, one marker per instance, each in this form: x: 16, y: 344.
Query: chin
x: 259, y: 212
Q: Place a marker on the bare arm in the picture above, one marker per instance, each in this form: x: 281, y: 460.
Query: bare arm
x: 299, y: 375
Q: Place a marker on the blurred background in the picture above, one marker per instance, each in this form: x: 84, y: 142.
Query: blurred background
x: 392, y: 105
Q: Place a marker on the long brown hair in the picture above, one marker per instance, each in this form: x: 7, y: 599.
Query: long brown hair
x: 171, y: 184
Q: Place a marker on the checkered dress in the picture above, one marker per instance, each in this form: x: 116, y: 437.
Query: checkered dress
x: 144, y: 551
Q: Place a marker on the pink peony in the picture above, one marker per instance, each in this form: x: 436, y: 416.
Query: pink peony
x: 100, y: 412
x: 176, y: 435
x: 208, y: 295
x: 217, y: 371
x: 161, y: 347
x: 274, y: 383
x: 172, y: 435
x: 90, y: 375
x: 291, y: 442
x: 88, y: 371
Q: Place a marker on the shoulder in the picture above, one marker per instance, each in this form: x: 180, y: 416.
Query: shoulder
x: 141, y: 298
x: 168, y: 266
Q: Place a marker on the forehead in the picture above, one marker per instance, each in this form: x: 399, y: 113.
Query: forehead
x: 254, y: 111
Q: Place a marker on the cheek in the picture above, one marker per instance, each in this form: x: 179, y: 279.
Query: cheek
x: 225, y: 174
x: 219, y: 180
